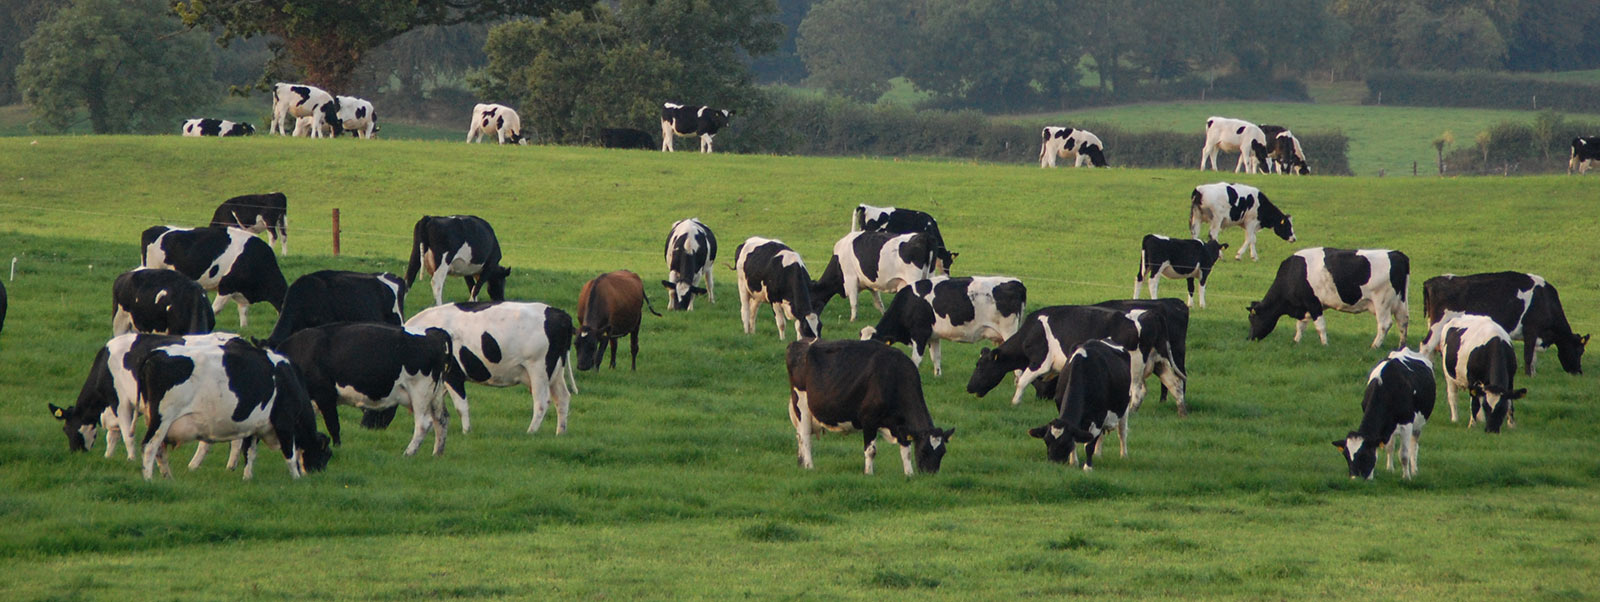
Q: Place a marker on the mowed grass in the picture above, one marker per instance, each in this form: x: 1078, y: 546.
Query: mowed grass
x: 679, y: 480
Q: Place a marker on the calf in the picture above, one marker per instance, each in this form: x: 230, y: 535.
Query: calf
x: 502, y: 344
x: 293, y: 101
x: 464, y: 245
x: 1067, y: 143
x: 358, y: 117
x: 257, y: 213
x: 768, y: 271
x: 876, y: 261
x: 1477, y: 357
x: 609, y: 308
x: 691, y: 121
x: 1398, y: 402
x: 691, y: 253
x: 957, y: 309
x: 626, y: 138
x: 159, y: 301
x: 1097, y: 397
x: 495, y: 120
x: 903, y: 221
x: 847, y: 386
x: 1160, y: 257
x: 1351, y: 281
x: 1234, y: 136
x: 230, y: 261
x: 1284, y: 152
x: 1223, y: 204
x: 1524, y: 305
x: 216, y: 127
x: 331, y: 296
x: 1584, y: 150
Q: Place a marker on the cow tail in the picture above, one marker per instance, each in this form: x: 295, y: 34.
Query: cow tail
x: 648, y: 305
x: 418, y: 236
x: 1194, y: 210
x: 859, y: 215
x: 572, y: 380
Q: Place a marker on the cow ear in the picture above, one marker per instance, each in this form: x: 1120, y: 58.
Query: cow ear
x: 1038, y: 431
x: 1339, y: 444
x: 1584, y: 341
x: 949, y: 431
x: 695, y: 290
x: 668, y: 284
x: 59, y: 413
x: 903, y: 438
x: 1517, y: 394
x: 1224, y: 246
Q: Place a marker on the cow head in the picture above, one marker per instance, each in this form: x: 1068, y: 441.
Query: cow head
x: 719, y: 118
x: 1570, y: 352
x: 1059, y: 441
x: 242, y: 129
x: 988, y: 373
x: 1492, y: 404
x: 1297, y: 166
x: 930, y: 447
x: 315, y: 454
x: 1285, y: 228
x: 1213, y: 250
x: 1360, y: 456
x: 1262, y: 320
x: 590, y: 347
x: 942, y: 258
x: 681, y: 294
x: 330, y: 116
x: 495, y: 276
x: 80, y: 433
x: 808, y: 326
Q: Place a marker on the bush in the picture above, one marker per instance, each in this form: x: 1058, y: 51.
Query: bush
x: 1238, y: 86
x: 1480, y: 90
x: 1508, y: 147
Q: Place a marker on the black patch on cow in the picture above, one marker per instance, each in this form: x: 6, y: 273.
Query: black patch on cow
x: 951, y: 301
x: 922, y: 287
x: 1399, y: 272
x: 491, y: 348
x: 250, y: 381
x: 1240, y: 130
x: 210, y: 127
x: 473, y: 366
x: 558, y: 331
x: 212, y: 273
x: 475, y: 306
x: 361, y: 112
x: 916, y: 251
x: 1349, y: 271
x: 868, y: 248
x: 303, y: 91
x: 1452, y: 343
x: 1009, y: 297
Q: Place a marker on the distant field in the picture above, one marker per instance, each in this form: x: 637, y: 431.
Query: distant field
x: 14, y: 120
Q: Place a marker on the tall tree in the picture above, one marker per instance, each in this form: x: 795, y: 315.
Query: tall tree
x: 854, y: 47
x: 996, y: 54
x: 18, y: 18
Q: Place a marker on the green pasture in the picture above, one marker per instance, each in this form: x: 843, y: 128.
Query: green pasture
x: 679, y: 481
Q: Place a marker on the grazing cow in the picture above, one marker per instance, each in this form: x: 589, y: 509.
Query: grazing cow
x: 503, y: 344
x: 1162, y: 257
x: 230, y: 261
x: 1234, y: 136
x: 464, y: 245
x: 627, y: 138
x: 293, y: 101
x: 216, y: 127
x: 1525, y: 305
x: 1477, y: 357
x: 1584, y: 150
x: 691, y: 121
x: 847, y: 386
x: 875, y: 261
x: 495, y: 120
x: 1098, y: 397
x: 257, y: 213
x: 1223, y: 204
x: 903, y: 221
x: 1398, y: 403
x: 691, y: 254
x: 332, y: 296
x: 770, y: 272
x: 609, y: 308
x: 1174, y: 317
x: 1284, y: 154
x: 1067, y: 143
x: 159, y: 301
x: 1351, y: 281
x: 958, y: 309
x: 358, y: 117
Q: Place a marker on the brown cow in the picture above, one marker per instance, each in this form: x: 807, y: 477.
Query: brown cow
x: 609, y: 307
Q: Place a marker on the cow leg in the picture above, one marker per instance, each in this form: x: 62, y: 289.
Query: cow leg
x: 244, y: 309
x: 1189, y: 300
x: 236, y: 448
x: 1384, y: 322
x: 250, y: 462
x: 1299, y: 329
x: 1174, y: 382
x: 633, y: 350
x: 1122, y: 433
x: 1250, y: 230
x: 200, y: 452
x: 1322, y: 328
x: 539, y: 387
x: 441, y: 273
x: 421, y: 422
x: 1450, y: 396
x: 666, y: 136
x: 869, y: 447
x: 1089, y: 450
x: 1530, y: 345
x: 800, y: 415
x: 777, y: 316
x: 934, y: 350
x: 121, y: 322
x: 474, y: 286
x: 747, y: 309
x: 614, y: 344
x: 162, y: 455
x: 877, y: 300
x: 1410, y: 460
x: 1138, y: 276
x: 330, y: 418
x: 1203, y: 277
x: 154, y: 440
x: 562, y: 397
x: 1152, y: 285
x: 441, y: 424
x: 852, y: 291
x: 125, y: 416
x: 711, y: 289
x: 1027, y: 377
x: 112, y: 435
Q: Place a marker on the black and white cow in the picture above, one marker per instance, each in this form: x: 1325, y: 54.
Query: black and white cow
x: 358, y: 117
x: 1162, y: 257
x: 1284, y: 154
x: 691, y: 253
x: 290, y: 102
x: 503, y: 344
x: 1098, y: 397
x: 1079, y: 145
x: 965, y: 310
x: 496, y: 120
x: 876, y: 261
x: 903, y: 221
x: 159, y: 301
x: 1398, y: 403
x: 627, y: 138
x: 1234, y: 136
x: 1174, y: 316
x: 691, y: 121
x: 257, y: 213
x: 216, y: 127
x: 1477, y: 357
x: 1584, y: 150
x: 1351, y: 281
x: 1525, y: 305
x: 230, y: 261
x: 332, y: 296
x: 464, y: 245
x: 770, y: 272
x: 848, y: 386
x: 1223, y: 204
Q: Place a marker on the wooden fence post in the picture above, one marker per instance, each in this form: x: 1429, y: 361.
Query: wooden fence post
x: 336, y: 231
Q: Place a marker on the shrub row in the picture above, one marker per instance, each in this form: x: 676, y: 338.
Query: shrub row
x: 1480, y: 90
x: 1541, y: 146
x: 1236, y: 86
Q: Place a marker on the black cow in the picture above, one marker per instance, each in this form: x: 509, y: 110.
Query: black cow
x: 1351, y: 281
x: 1097, y: 398
x: 1525, y: 305
x: 1477, y: 357
x: 230, y: 261
x: 691, y: 253
x: 503, y: 344
x: 626, y: 138
x: 257, y: 213
x: 1283, y: 151
x: 876, y: 261
x: 457, y: 244
x: 1162, y: 257
x: 956, y: 309
x: 216, y: 127
x: 689, y: 121
x: 331, y: 296
x: 847, y: 386
x: 1398, y: 403
x: 159, y: 301
x: 903, y: 221
x: 1584, y: 150
x: 770, y: 272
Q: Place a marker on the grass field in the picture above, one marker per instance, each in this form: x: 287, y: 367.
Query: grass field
x: 679, y: 480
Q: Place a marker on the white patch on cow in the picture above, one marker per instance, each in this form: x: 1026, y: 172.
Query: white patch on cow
x: 789, y: 258
x: 1353, y: 445
x: 935, y: 442
x: 1056, y: 432
x: 870, y: 214
x: 1224, y: 134
x: 519, y: 330
x: 1376, y: 375
x: 162, y: 294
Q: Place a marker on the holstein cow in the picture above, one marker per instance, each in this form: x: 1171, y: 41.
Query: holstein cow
x: 847, y: 386
x: 965, y: 310
x: 1223, y: 204
x: 691, y: 253
x: 1162, y: 257
x: 1477, y: 357
x: 290, y: 102
x: 1398, y: 403
x: 464, y: 245
x: 770, y: 272
x: 690, y: 121
x: 257, y: 213
x: 903, y: 221
x: 627, y: 138
x: 1234, y: 136
x: 1097, y: 398
x: 609, y: 308
x: 1525, y: 305
x: 356, y: 114
x: 1584, y: 150
x: 1174, y: 316
x: 230, y: 261
x: 159, y: 301
x: 332, y: 296
x: 495, y: 120
x: 216, y: 127
x: 1284, y: 154
x: 503, y: 344
x: 1067, y: 143
x: 875, y: 261
x: 1351, y: 281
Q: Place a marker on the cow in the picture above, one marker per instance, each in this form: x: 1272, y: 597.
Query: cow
x: 230, y: 261
x: 768, y: 271
x: 691, y: 253
x: 1234, y: 136
x: 159, y: 301
x: 1351, y: 281
x: 691, y: 121
x: 1397, y: 404
x: 1067, y: 143
x: 223, y: 128
x: 1223, y: 204
x: 903, y: 221
x: 1162, y: 257
x: 847, y: 386
x: 495, y: 120
x: 257, y: 213
x: 503, y: 344
x: 1524, y: 305
x: 1584, y: 151
x: 1174, y: 317
x: 1284, y: 154
x: 464, y: 245
x: 1098, y: 396
x: 1477, y: 357
x: 332, y: 296
x: 876, y: 261
x: 966, y: 310
x: 357, y: 115
x: 609, y: 309
x: 626, y: 138
x: 293, y: 101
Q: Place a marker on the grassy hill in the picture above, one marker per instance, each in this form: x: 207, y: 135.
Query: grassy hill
x: 679, y: 480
